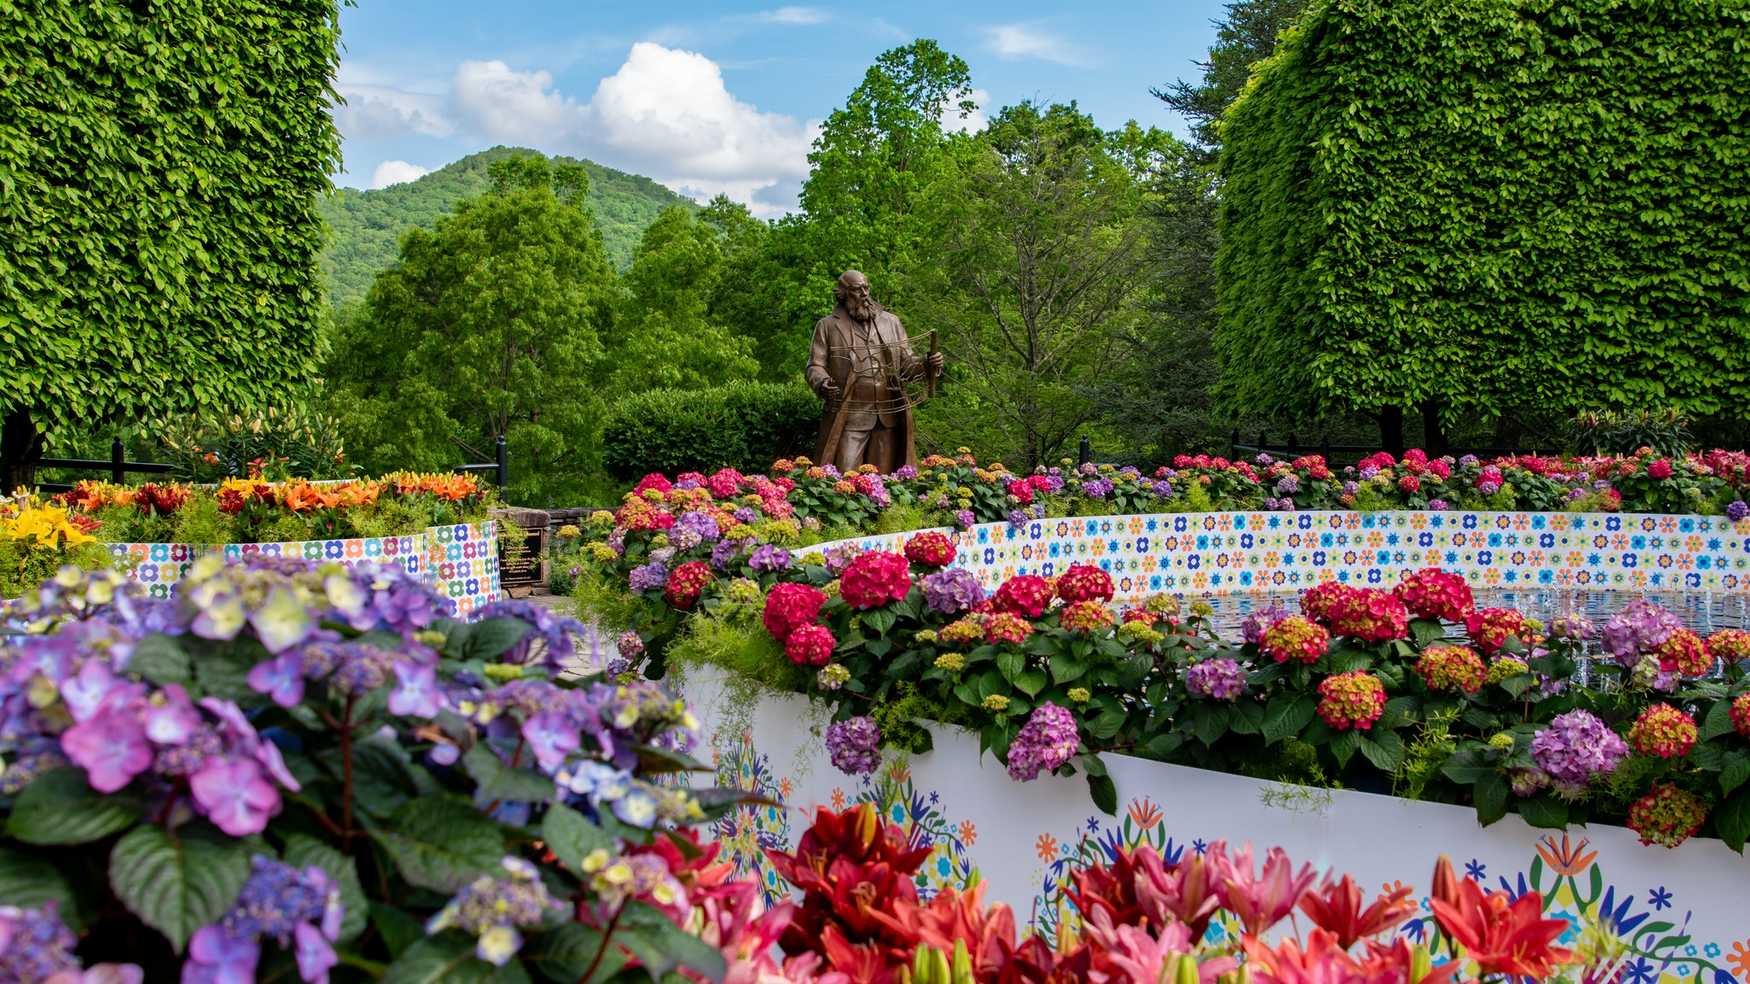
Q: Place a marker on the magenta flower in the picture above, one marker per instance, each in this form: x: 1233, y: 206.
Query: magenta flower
x: 110, y: 746
x: 84, y: 692
x: 416, y: 690
x: 236, y: 725
x: 280, y: 678
x: 170, y: 716
x: 217, y: 957
x: 267, y: 755
x: 234, y: 796
x: 315, y: 954
x: 1264, y: 899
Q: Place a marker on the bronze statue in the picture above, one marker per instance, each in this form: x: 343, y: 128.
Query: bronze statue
x: 858, y: 363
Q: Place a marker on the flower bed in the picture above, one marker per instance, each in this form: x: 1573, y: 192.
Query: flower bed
x: 1390, y: 679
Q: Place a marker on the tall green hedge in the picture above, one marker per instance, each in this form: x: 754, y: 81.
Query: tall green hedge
x: 742, y: 425
x: 160, y: 162
x: 1491, y: 206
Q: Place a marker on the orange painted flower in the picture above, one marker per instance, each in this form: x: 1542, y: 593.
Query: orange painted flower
x: 1145, y: 813
x: 1566, y: 860
x: 1045, y: 847
x: 968, y: 833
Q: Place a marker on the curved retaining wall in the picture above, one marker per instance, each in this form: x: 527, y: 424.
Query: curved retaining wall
x: 1681, y: 910
x: 460, y: 562
x: 1274, y: 552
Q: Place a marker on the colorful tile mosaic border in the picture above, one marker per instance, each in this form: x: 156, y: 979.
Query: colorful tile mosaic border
x: 460, y: 562
x: 1271, y: 552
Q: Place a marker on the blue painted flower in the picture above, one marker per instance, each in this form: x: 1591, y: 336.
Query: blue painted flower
x: 1640, y: 972
x: 1659, y: 898
x: 1199, y: 847
x: 1476, y: 870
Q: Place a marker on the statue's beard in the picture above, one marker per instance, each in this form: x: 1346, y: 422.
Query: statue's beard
x: 861, y: 308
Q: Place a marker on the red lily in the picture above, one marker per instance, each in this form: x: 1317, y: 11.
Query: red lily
x: 1503, y: 937
x: 1336, y: 906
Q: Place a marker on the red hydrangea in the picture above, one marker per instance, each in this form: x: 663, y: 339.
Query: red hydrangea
x: 1295, y: 638
x: 1740, y: 713
x: 1439, y: 468
x: 1659, y: 469
x: 654, y: 480
x: 1351, y: 700
x: 789, y: 606
x: 1006, y: 627
x: 1434, y: 593
x: 1663, y: 731
x: 930, y: 549
x: 725, y: 483
x: 1731, y: 645
x: 1409, y: 484
x: 874, y: 579
x: 1452, y: 668
x: 1370, y: 615
x: 1084, y: 582
x: 639, y: 515
x: 1022, y: 490
x: 1684, y: 652
x: 685, y: 582
x: 1318, y: 600
x: 1489, y: 628
x: 1667, y: 816
x: 810, y: 645
x: 1025, y: 595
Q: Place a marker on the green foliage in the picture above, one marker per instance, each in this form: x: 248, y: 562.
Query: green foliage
x: 1489, y: 207
x: 23, y: 566
x: 1245, y: 36
x: 741, y: 646
x: 366, y: 227
x: 490, y: 325
x: 743, y: 425
x: 293, y: 439
x: 1612, y: 432
x: 159, y: 171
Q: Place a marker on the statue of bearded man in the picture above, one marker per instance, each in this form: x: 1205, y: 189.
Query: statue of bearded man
x: 857, y: 364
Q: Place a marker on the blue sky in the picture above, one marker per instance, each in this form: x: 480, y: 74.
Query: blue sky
x: 718, y: 97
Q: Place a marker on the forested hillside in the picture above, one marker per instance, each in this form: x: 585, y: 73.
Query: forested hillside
x: 367, y: 225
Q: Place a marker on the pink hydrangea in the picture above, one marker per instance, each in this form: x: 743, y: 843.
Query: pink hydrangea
x: 874, y: 579
x: 1044, y: 743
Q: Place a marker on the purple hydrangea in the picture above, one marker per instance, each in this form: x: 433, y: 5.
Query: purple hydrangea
x: 964, y: 519
x: 854, y: 745
x: 1438, y: 505
x: 838, y: 558
x: 1088, y: 468
x: 493, y: 909
x: 725, y: 553
x: 35, y: 945
x: 300, y: 910
x: 693, y: 528
x: 648, y: 577
x: 1469, y: 461
x: 1737, y: 510
x: 1046, y: 741
x: 745, y: 514
x: 1217, y: 679
x: 952, y: 590
x: 629, y: 644
x: 1255, y: 624
x: 1097, y: 488
x: 1640, y: 626
x: 1368, y: 472
x: 1018, y: 518
x: 1576, y: 748
x: 769, y: 558
x: 557, y: 634
x: 1162, y: 488
x: 1287, y: 485
x: 905, y: 473
x: 1350, y: 488
x: 1572, y: 626
x: 1264, y: 459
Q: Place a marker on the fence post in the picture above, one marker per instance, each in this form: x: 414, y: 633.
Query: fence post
x: 1233, y: 444
x: 503, y: 469
x: 1087, y: 451
x: 1293, y: 444
x: 1325, y: 447
x: 1261, y: 444
x: 117, y: 459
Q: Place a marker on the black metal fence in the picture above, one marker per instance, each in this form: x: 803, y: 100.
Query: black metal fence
x: 119, y: 468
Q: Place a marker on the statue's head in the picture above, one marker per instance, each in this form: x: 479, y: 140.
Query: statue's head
x: 852, y: 291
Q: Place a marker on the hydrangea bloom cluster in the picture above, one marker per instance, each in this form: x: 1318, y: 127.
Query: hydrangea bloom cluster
x: 300, y: 910
x: 1044, y: 743
x: 854, y: 745
x: 1084, y: 582
x: 1506, y: 668
x: 643, y: 876
x: 1351, y: 700
x: 769, y: 558
x: 692, y: 529
x: 930, y: 549
x: 1005, y: 627
x: 1085, y: 616
x: 1025, y: 595
x: 1684, y: 653
x: 1490, y: 628
x: 874, y: 579
x: 1667, y: 816
x: 1663, y: 731
x: 1452, y: 668
x: 1638, y: 628
x: 1257, y: 622
x: 1370, y: 615
x: 493, y: 909
x: 810, y: 645
x: 686, y: 582
x: 1740, y: 715
x: 952, y: 590
x: 790, y: 605
x: 1318, y: 601
x: 1295, y: 638
x: 1573, y: 626
x: 1434, y: 593
x: 1577, y: 748
x: 1730, y: 645
x: 652, y: 576
x: 963, y: 631
x: 1216, y: 679
x: 35, y: 945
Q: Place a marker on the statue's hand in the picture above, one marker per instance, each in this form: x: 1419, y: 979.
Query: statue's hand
x: 829, y: 391
x: 934, y: 361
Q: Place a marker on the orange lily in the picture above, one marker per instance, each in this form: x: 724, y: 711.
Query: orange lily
x: 1336, y: 906
x: 1503, y: 937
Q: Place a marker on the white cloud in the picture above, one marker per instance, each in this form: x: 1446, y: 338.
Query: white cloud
x: 505, y: 104
x: 1031, y: 41
x: 794, y: 16
x: 972, y: 122
x: 381, y: 111
x: 396, y: 172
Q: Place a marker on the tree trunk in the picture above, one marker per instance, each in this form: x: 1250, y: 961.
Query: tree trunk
x: 21, y: 447
x: 1433, y: 438
x: 1391, y: 429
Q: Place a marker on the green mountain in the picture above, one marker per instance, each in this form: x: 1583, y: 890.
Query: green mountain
x: 367, y: 225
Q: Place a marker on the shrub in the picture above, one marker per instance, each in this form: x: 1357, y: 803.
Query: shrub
x: 1625, y: 432
x: 742, y: 425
